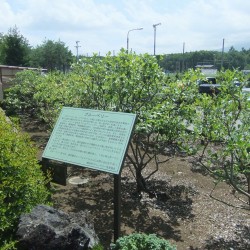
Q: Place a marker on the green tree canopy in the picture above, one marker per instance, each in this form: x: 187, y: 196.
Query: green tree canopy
x: 14, y: 48
x: 52, y: 56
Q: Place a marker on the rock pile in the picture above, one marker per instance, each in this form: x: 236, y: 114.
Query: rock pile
x: 51, y: 229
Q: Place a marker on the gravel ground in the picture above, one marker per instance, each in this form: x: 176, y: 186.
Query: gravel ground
x: 189, y: 210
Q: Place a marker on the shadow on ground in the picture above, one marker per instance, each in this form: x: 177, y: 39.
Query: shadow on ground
x: 173, y: 203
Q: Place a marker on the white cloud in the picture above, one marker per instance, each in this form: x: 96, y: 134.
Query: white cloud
x: 203, y: 24
x: 103, y: 25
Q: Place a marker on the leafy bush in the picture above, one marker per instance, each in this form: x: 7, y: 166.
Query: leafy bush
x: 171, y: 112
x: 139, y: 241
x: 20, y: 96
x: 222, y: 128
x: 8, y: 245
x: 22, y: 183
x: 98, y: 247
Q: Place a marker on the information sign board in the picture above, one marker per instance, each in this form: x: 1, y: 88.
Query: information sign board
x: 91, y: 138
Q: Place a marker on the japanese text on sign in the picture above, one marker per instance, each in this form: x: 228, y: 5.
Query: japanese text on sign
x: 91, y: 138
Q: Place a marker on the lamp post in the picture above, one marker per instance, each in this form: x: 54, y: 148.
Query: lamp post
x: 128, y: 36
x: 154, y: 26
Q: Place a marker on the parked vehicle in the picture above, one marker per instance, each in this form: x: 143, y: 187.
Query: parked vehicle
x: 209, y: 86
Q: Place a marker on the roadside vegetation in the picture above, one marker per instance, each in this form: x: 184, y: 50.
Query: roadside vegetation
x: 173, y: 118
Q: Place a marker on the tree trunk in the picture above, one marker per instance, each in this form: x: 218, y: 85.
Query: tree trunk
x: 140, y: 182
x: 142, y: 185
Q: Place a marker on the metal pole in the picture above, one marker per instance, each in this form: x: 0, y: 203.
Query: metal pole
x: 128, y: 41
x: 154, y: 26
x: 222, y: 53
x: 117, y: 206
x: 77, y: 46
x: 128, y: 37
x: 1, y: 75
x: 183, y: 52
x: 154, y: 38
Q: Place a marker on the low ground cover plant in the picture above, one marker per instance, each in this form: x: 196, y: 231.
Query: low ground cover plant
x: 137, y: 241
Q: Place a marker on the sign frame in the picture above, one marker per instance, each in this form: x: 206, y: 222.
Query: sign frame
x: 124, y: 129
x: 71, y: 140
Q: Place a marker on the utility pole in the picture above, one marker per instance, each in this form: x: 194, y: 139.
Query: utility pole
x: 77, y: 46
x: 222, y: 53
x: 154, y: 26
x: 183, y: 60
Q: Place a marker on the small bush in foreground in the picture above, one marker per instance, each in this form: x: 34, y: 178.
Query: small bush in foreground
x: 22, y: 183
x: 139, y: 241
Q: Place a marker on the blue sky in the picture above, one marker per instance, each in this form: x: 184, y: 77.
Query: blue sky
x: 102, y: 25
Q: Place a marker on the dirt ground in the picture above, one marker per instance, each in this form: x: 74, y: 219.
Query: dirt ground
x: 190, y: 210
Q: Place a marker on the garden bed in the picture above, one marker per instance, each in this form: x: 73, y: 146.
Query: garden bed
x: 189, y: 210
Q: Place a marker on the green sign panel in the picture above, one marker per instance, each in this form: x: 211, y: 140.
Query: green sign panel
x: 91, y: 138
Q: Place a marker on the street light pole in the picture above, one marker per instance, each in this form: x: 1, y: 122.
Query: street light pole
x: 128, y: 37
x: 154, y: 26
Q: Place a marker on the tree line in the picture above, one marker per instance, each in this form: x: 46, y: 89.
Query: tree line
x: 232, y: 59
x: 15, y: 50
x: 55, y: 55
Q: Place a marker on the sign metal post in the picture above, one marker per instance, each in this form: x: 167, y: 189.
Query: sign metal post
x: 93, y: 139
x: 117, y: 206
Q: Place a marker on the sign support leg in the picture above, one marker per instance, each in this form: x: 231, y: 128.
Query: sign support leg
x: 117, y: 206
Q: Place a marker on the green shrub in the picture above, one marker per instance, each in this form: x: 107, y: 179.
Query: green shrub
x: 139, y: 241
x: 8, y: 245
x: 97, y: 247
x: 22, y: 183
x: 20, y: 96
